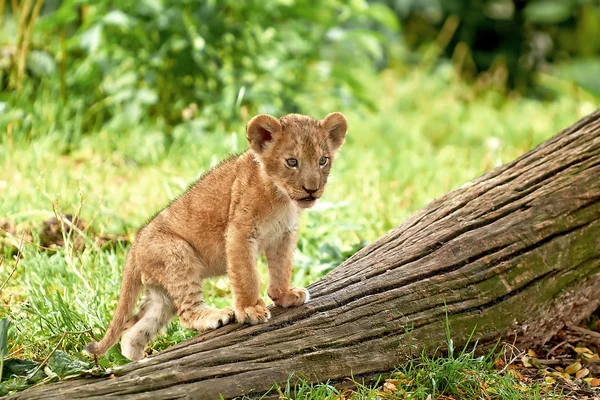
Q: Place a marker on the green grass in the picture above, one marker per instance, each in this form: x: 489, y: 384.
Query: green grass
x: 462, y: 374
x: 429, y: 135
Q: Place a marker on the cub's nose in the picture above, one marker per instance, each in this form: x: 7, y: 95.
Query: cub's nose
x: 309, y: 191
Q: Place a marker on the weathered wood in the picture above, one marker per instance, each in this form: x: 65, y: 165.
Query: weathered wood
x: 513, y: 253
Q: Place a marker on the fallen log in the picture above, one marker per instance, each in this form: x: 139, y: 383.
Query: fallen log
x: 513, y: 255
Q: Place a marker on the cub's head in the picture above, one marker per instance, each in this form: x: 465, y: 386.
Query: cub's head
x: 296, y: 151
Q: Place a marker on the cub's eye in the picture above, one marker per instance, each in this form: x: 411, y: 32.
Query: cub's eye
x: 323, y: 161
x: 291, y: 162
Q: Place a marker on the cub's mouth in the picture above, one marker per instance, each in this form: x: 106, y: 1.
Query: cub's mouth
x: 306, y: 202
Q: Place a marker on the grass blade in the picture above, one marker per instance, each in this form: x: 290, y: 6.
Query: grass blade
x: 4, y: 324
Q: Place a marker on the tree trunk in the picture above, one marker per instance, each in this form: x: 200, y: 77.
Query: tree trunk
x: 515, y: 253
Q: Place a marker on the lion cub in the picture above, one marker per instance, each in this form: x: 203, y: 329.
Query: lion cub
x: 248, y: 205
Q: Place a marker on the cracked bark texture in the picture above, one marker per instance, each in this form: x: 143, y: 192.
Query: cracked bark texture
x: 512, y: 254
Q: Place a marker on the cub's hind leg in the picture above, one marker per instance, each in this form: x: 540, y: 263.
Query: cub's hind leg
x: 182, y: 279
x: 154, y: 314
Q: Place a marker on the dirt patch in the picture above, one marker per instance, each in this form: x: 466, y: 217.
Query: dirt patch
x: 569, y: 363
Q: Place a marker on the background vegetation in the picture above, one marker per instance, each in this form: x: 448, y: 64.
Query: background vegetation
x: 109, y: 109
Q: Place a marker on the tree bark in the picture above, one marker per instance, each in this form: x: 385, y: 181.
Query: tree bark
x: 514, y: 254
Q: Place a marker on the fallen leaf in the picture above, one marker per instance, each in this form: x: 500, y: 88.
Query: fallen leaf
x: 499, y: 363
x: 573, y: 368
x: 582, y: 373
x: 525, y: 361
x: 549, y: 380
x: 531, y: 353
x: 522, y: 387
x: 389, y: 387
x: 595, y: 382
x: 581, y: 350
x: 515, y: 374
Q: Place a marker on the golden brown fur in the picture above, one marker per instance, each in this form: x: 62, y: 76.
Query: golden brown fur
x: 248, y: 205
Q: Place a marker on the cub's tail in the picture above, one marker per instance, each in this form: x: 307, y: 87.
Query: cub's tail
x: 130, y: 291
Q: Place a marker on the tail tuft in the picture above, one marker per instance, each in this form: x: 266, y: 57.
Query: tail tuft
x: 92, y: 349
x: 130, y: 290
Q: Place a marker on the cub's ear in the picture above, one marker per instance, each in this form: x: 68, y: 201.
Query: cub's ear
x: 337, y: 126
x: 260, y: 132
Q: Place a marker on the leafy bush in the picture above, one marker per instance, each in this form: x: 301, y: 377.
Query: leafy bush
x: 213, y: 62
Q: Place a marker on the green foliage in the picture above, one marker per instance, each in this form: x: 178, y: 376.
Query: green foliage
x: 462, y: 375
x: 22, y: 369
x: 111, y: 65
x: 466, y: 375
x: 20, y: 374
x: 515, y: 37
x: 64, y: 366
x: 298, y: 387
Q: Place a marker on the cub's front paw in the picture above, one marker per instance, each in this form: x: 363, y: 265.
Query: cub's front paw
x: 253, y: 315
x: 293, y: 298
